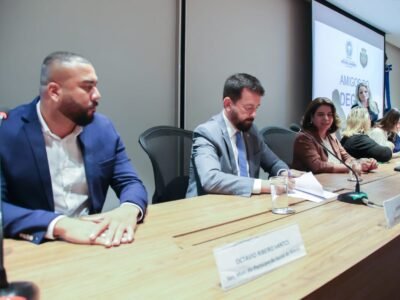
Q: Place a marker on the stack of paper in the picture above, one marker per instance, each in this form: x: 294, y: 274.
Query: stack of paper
x: 308, y: 187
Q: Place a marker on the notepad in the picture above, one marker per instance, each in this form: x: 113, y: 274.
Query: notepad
x: 308, y: 187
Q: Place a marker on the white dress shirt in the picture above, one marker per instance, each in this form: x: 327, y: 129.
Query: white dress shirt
x: 67, y: 171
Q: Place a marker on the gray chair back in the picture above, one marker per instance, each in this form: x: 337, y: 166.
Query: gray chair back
x: 169, y: 149
x: 280, y: 140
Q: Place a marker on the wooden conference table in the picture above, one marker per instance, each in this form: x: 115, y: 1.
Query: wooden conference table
x: 350, y: 252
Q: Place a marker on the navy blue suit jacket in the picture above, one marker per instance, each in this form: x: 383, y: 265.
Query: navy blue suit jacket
x: 28, y: 205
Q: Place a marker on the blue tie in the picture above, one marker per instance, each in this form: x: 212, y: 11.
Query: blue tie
x: 242, y: 161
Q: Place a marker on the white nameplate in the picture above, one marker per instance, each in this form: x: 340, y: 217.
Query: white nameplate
x: 247, y: 259
x: 392, y: 211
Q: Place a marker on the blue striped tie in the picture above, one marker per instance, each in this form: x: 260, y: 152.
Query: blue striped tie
x: 242, y: 161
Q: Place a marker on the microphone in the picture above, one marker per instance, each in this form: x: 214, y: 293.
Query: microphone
x: 356, y: 197
x: 22, y: 290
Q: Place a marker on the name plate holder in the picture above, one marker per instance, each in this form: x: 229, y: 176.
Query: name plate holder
x: 242, y: 261
x: 392, y: 211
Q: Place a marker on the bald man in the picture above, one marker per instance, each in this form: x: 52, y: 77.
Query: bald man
x: 59, y: 157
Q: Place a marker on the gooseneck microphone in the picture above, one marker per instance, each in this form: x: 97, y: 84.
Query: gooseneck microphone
x: 15, y: 290
x: 356, y: 197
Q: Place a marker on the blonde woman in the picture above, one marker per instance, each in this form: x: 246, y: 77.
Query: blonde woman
x: 356, y: 140
x: 364, y: 99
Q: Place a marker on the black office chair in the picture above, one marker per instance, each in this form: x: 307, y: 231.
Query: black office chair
x: 169, y: 149
x: 280, y: 140
x: 295, y: 127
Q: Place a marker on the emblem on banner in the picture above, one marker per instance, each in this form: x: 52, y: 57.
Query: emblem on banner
x: 363, y: 57
x: 348, y: 61
x: 349, y: 49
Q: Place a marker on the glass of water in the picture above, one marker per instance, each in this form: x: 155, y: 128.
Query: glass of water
x: 279, y: 195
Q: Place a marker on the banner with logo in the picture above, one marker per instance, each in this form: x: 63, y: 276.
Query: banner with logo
x: 341, y: 61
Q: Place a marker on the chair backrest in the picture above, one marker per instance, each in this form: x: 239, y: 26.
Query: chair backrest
x: 169, y: 149
x: 295, y: 127
x: 280, y: 140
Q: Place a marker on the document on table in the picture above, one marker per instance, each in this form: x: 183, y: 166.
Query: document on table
x: 308, y: 187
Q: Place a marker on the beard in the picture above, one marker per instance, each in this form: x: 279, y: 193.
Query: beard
x: 242, y: 125
x: 245, y: 125
x: 76, y: 113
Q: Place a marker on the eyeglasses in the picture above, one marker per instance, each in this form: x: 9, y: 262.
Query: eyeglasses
x: 248, y: 108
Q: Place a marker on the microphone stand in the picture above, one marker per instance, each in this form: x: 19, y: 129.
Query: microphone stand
x: 356, y: 197
x: 15, y: 290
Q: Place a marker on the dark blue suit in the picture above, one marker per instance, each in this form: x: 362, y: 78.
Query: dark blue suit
x: 28, y: 205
